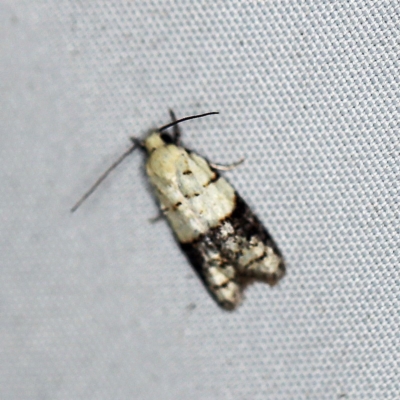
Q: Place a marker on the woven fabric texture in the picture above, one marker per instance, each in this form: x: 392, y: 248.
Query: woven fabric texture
x: 101, y: 304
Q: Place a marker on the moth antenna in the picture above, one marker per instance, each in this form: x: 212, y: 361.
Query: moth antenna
x: 177, y: 130
x: 104, y: 175
x: 186, y: 119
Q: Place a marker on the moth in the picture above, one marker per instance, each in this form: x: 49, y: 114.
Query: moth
x: 222, y: 238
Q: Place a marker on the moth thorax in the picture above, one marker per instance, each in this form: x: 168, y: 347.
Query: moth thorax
x: 154, y: 141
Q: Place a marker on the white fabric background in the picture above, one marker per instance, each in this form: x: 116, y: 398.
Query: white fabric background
x: 101, y: 304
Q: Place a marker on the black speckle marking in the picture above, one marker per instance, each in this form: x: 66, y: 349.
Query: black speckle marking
x: 187, y: 172
x: 188, y: 196
x: 177, y: 205
x: 212, y: 180
x: 222, y: 286
x: 257, y: 260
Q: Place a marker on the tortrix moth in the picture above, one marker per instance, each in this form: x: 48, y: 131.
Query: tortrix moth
x: 223, y: 239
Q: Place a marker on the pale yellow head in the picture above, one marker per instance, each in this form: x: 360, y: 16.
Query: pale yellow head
x: 153, y: 142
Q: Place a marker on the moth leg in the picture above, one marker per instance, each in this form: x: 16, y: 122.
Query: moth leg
x: 158, y: 217
x: 176, y: 132
x: 227, y: 167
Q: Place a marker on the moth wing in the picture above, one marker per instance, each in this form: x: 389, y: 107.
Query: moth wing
x: 255, y: 252
x: 217, y: 274
x: 233, y: 254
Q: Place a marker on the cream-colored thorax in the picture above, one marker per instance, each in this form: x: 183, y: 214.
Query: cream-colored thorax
x: 191, y: 195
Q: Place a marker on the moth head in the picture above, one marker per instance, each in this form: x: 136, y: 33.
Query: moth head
x: 154, y: 141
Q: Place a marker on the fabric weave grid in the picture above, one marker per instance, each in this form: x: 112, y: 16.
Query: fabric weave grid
x: 102, y: 304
